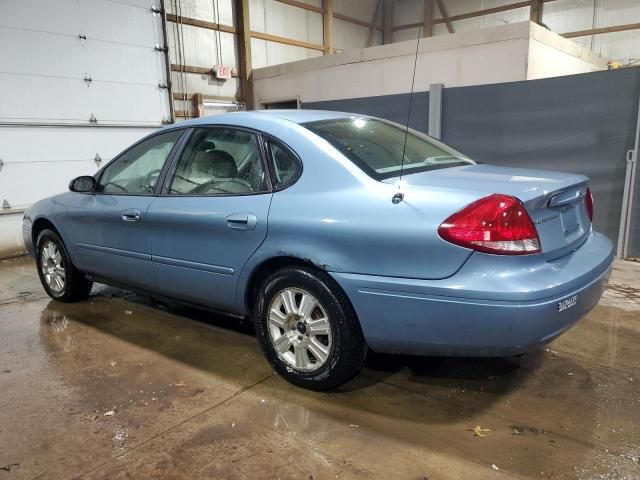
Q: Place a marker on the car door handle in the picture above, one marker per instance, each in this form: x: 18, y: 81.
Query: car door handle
x: 242, y: 221
x: 131, y: 215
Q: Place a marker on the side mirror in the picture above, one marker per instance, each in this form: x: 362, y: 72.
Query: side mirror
x: 84, y: 184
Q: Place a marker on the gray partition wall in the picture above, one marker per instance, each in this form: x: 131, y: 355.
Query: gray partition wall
x: 580, y: 123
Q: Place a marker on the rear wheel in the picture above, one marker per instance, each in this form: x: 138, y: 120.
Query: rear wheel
x: 60, y: 279
x: 308, y: 330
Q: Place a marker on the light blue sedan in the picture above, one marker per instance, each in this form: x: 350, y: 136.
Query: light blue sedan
x: 335, y: 235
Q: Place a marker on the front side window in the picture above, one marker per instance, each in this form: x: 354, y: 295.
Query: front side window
x: 377, y: 146
x: 137, y: 170
x: 220, y: 161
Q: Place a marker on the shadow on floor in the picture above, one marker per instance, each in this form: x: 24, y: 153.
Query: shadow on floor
x: 213, y: 342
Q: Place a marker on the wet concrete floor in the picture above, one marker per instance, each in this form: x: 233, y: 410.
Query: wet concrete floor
x: 122, y: 386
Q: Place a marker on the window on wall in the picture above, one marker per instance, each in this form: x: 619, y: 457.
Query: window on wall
x: 136, y: 171
x: 220, y: 161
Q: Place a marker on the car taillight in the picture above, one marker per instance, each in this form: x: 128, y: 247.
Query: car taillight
x: 495, y: 224
x: 588, y: 203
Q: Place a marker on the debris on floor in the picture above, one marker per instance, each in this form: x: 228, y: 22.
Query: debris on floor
x: 478, y: 431
x: 93, y: 416
x: 523, y: 429
x: 9, y: 466
x: 119, y: 439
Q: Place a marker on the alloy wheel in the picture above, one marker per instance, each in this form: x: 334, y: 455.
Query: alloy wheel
x: 52, y: 267
x: 299, y: 329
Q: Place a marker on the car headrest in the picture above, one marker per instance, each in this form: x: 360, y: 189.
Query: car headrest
x: 219, y: 163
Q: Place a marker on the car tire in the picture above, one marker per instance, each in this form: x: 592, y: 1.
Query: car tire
x: 318, y: 346
x: 60, y: 278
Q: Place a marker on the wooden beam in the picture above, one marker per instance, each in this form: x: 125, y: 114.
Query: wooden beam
x: 427, y: 18
x: 374, y: 23
x: 225, y: 28
x: 184, y: 114
x: 327, y: 25
x: 198, y: 104
x: 602, y: 30
x: 313, y: 8
x: 197, y: 70
x: 191, y: 69
x: 190, y: 95
x: 387, y: 23
x: 535, y: 11
x: 287, y: 41
x: 303, y: 5
x: 353, y: 20
x: 476, y: 13
x: 445, y: 16
x: 194, y: 22
x: 244, y: 51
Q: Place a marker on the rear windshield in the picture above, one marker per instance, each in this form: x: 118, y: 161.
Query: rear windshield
x: 376, y: 146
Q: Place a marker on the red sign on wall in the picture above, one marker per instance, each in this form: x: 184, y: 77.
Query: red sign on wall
x: 222, y: 71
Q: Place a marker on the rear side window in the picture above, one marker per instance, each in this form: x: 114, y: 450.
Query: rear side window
x: 382, y: 148
x: 286, y: 166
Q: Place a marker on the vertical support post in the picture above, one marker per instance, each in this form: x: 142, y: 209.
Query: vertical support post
x: 243, y: 28
x: 535, y: 11
x: 374, y: 23
x: 627, y: 196
x: 427, y: 19
x: 435, y: 110
x: 327, y: 23
x: 198, y: 105
x: 387, y: 23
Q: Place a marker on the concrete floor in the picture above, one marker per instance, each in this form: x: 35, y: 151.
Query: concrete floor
x: 123, y: 387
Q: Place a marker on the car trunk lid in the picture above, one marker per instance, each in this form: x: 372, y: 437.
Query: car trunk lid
x: 554, y: 200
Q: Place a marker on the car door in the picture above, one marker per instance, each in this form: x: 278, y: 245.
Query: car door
x: 108, y: 228
x: 211, y: 216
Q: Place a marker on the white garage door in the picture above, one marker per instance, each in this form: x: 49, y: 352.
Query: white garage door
x: 79, y: 79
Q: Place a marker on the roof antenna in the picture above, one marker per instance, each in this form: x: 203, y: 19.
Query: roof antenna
x: 399, y: 195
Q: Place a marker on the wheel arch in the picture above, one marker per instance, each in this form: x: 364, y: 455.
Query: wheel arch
x: 40, y: 224
x: 270, y: 265
x: 265, y: 268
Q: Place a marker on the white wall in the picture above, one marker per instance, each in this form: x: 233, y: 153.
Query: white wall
x: 46, y: 137
x: 560, y: 16
x: 551, y: 55
x: 204, y: 48
x: 476, y: 57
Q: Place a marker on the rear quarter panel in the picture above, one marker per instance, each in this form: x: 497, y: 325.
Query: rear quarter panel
x: 341, y: 220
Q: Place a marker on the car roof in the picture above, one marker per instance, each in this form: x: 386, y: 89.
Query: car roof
x: 248, y: 117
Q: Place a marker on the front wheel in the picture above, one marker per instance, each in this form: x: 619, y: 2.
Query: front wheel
x: 308, y: 329
x: 60, y: 279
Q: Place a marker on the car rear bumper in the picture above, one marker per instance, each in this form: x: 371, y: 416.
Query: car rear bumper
x: 493, y: 306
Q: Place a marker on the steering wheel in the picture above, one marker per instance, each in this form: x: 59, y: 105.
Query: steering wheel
x: 149, y: 180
